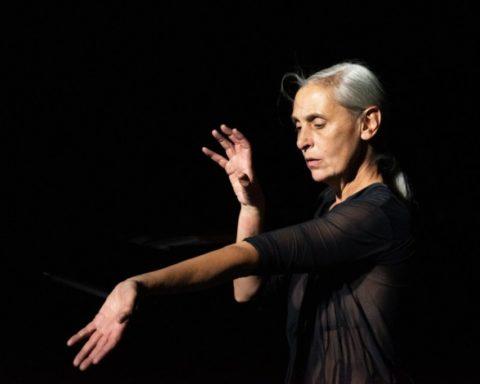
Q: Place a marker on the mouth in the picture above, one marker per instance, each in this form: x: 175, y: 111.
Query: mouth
x: 312, y: 163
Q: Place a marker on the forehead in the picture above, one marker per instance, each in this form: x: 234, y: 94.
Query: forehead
x: 314, y: 98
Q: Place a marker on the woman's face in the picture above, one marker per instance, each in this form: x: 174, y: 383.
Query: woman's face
x: 326, y: 131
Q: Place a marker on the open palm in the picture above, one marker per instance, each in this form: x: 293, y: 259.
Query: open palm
x: 238, y: 165
x: 106, y: 329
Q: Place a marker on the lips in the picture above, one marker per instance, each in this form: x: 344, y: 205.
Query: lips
x: 313, y: 162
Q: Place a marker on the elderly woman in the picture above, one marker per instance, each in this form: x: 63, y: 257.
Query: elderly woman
x: 343, y: 272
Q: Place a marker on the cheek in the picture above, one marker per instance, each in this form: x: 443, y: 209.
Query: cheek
x: 337, y: 153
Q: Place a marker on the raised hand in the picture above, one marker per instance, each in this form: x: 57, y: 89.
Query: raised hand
x: 106, y: 329
x: 238, y: 165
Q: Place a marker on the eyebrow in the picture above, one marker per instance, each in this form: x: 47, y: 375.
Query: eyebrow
x: 309, y: 117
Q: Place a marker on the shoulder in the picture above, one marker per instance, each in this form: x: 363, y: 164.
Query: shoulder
x: 385, y: 203
x: 374, y: 207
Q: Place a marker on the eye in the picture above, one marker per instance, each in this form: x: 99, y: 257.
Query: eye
x: 319, y: 125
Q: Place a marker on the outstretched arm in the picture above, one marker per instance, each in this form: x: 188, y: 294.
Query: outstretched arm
x: 106, y: 329
x: 204, y: 271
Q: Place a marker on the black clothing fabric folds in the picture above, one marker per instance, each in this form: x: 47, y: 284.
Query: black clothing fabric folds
x: 344, y: 274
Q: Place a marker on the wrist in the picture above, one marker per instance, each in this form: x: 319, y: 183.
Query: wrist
x: 138, y: 285
x: 252, y: 209
x: 256, y: 200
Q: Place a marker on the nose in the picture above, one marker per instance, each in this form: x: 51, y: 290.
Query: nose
x: 304, y: 139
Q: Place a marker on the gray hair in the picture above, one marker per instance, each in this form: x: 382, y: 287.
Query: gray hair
x: 356, y: 88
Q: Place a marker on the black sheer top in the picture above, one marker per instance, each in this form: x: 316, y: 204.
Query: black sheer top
x: 343, y: 273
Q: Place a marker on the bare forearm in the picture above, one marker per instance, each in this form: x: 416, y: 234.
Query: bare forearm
x: 250, y: 223
x: 200, y: 272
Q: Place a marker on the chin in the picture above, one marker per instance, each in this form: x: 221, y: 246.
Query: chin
x: 318, y: 176
x: 321, y: 175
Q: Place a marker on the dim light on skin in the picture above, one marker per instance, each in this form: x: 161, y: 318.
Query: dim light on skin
x: 335, y: 140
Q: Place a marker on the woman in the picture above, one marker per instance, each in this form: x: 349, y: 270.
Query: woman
x: 343, y: 272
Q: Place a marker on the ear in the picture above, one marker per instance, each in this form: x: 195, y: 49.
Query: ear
x: 371, y: 119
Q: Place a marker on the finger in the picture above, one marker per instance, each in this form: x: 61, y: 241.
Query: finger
x: 225, y: 143
x: 84, y: 332
x: 89, y: 345
x: 110, y: 343
x: 91, y: 358
x: 230, y: 132
x: 239, y: 138
x: 233, y: 134
x: 215, y: 157
x: 226, y: 129
x: 95, y: 353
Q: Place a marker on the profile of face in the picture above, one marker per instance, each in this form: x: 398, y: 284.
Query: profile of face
x: 329, y: 132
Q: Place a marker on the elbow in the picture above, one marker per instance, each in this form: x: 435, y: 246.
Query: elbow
x: 239, y: 298
x: 243, y: 295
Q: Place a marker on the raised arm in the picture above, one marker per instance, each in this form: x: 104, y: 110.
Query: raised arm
x: 239, y: 167
x: 250, y: 223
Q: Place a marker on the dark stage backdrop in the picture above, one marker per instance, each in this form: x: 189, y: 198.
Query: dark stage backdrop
x: 107, y: 108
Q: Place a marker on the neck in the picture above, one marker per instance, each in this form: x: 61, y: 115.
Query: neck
x: 359, y: 177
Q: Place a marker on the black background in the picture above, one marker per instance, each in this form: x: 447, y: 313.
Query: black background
x: 108, y: 106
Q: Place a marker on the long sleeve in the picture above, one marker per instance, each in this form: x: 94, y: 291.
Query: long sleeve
x: 349, y: 270
x: 351, y: 231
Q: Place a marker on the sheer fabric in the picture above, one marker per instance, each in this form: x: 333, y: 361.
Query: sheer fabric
x: 344, y: 274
